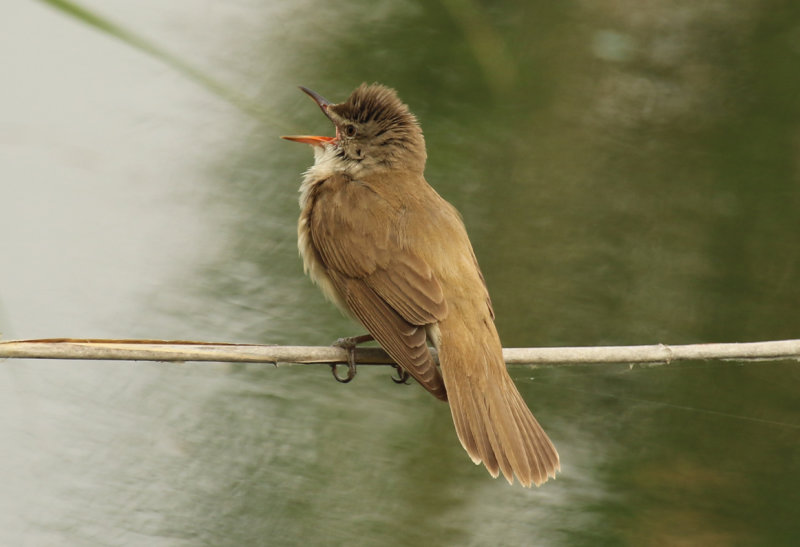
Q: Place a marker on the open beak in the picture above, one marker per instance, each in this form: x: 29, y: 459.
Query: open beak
x: 319, y: 99
x: 313, y: 139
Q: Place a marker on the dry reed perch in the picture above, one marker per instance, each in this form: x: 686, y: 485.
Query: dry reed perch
x: 179, y: 350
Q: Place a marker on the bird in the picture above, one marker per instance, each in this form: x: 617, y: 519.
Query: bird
x: 393, y: 254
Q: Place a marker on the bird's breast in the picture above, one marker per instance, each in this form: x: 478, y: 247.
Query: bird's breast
x: 313, y: 265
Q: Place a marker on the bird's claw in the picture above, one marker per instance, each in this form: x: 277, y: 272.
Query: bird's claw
x: 402, y: 375
x: 349, y: 344
x: 351, y: 369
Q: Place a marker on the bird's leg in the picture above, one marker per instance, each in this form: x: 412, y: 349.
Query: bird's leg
x: 402, y: 375
x: 349, y: 344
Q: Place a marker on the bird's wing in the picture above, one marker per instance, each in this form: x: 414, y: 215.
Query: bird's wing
x: 408, y: 285
x: 404, y: 342
x: 388, y: 287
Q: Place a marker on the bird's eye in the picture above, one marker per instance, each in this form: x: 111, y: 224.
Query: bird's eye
x: 349, y: 130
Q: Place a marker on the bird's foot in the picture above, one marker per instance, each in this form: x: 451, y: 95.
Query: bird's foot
x: 349, y: 344
x: 402, y: 375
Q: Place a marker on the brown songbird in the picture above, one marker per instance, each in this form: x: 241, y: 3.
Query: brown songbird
x: 392, y: 253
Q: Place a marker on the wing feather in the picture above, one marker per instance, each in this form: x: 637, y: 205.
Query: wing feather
x: 362, y: 244
x: 405, y: 343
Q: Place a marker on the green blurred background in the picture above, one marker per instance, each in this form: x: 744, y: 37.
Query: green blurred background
x: 629, y: 173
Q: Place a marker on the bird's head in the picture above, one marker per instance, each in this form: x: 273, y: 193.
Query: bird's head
x: 374, y: 130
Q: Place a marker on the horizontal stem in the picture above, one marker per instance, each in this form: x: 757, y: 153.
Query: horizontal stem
x: 179, y: 350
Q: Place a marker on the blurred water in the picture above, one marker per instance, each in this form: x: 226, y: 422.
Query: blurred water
x: 628, y: 174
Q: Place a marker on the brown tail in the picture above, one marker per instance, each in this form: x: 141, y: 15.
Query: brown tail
x: 492, y: 420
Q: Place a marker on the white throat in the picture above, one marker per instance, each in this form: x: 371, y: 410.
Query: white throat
x: 327, y: 162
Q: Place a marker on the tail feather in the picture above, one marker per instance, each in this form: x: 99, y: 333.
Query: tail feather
x: 468, y: 440
x: 508, y: 442
x: 492, y: 421
x: 544, y: 461
x: 538, y: 463
x: 475, y: 440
